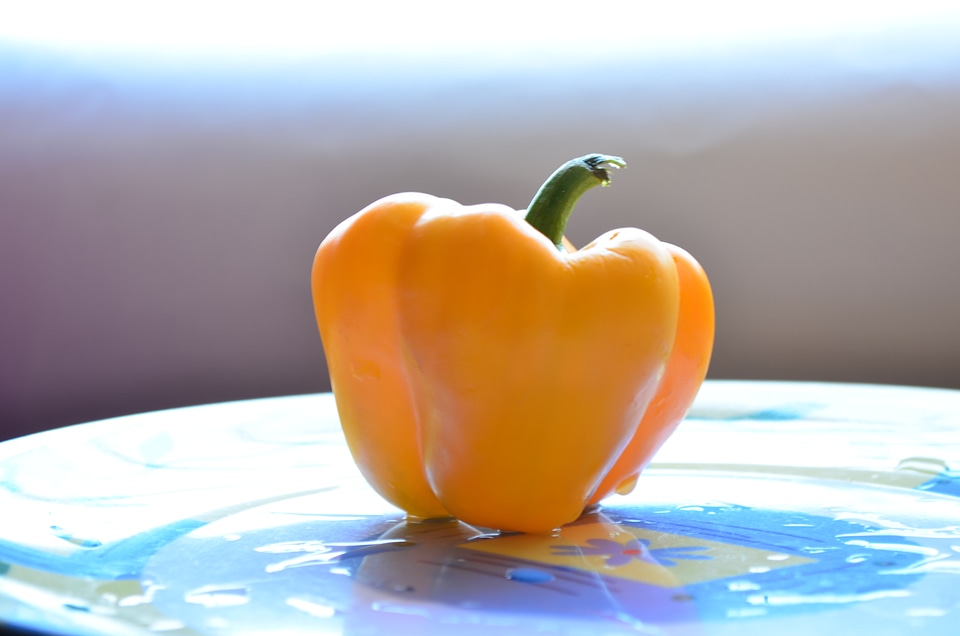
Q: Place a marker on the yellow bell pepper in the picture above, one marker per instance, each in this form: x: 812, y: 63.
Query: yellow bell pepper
x: 483, y: 370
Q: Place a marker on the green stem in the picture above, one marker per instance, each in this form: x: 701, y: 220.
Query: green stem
x: 553, y: 203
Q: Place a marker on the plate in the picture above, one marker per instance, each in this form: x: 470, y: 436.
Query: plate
x: 776, y: 508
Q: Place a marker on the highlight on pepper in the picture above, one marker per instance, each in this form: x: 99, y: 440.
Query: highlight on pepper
x: 486, y: 370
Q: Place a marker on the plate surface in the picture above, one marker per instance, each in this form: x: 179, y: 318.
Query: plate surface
x: 776, y: 508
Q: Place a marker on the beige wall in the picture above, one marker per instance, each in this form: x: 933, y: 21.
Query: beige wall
x: 158, y: 219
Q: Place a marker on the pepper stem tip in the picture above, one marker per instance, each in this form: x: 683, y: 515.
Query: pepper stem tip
x: 551, y: 206
x: 600, y: 166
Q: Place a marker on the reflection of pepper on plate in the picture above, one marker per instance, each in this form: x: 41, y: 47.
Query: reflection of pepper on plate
x: 484, y: 370
x: 451, y: 567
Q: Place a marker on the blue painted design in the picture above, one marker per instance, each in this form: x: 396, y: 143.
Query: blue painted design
x: 781, y: 413
x: 823, y: 540
x: 69, y: 537
x: 946, y: 483
x: 785, y: 413
x: 436, y: 567
x: 622, y: 553
x: 114, y: 561
x: 530, y: 575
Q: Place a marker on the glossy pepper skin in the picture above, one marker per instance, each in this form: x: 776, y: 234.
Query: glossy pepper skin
x: 482, y: 371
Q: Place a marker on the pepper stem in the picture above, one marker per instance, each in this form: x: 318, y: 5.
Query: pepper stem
x: 554, y: 201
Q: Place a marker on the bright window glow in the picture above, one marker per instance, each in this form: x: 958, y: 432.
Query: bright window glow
x: 299, y: 27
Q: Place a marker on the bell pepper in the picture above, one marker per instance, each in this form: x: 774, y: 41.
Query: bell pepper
x: 485, y: 370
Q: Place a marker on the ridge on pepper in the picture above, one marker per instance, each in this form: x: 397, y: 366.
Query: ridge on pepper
x: 486, y: 370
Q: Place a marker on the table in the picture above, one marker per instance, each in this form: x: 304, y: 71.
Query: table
x: 776, y: 508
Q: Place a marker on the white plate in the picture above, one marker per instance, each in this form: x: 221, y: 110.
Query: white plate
x: 776, y: 508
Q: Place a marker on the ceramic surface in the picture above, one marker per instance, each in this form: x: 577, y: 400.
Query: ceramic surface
x: 776, y: 508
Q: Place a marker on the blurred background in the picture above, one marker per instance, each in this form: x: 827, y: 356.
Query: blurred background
x: 167, y: 171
